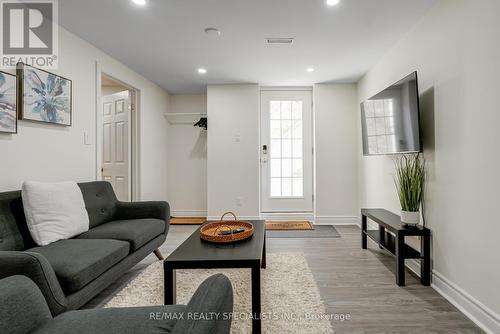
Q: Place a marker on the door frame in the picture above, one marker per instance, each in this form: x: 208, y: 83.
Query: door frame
x: 134, y: 130
x: 289, y: 215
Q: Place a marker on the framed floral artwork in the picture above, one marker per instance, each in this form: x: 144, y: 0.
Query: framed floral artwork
x: 8, y: 103
x: 45, y: 97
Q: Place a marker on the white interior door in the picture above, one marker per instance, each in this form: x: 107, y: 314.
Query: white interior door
x: 116, y: 143
x: 286, y: 152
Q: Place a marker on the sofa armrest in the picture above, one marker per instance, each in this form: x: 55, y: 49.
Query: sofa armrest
x: 38, y: 269
x: 140, y: 210
x: 213, y: 296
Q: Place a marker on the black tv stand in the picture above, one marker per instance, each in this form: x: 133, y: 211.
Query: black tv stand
x: 395, y: 244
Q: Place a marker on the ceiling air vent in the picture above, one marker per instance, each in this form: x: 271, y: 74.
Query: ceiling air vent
x: 287, y: 41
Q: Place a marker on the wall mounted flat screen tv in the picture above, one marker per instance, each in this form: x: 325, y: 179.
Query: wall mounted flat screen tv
x: 390, y: 120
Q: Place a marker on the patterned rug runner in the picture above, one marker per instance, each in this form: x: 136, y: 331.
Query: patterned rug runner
x: 288, y: 225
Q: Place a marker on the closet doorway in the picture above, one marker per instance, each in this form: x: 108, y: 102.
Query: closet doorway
x: 115, y: 125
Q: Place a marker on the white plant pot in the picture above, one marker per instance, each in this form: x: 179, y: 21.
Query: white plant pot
x: 410, y: 217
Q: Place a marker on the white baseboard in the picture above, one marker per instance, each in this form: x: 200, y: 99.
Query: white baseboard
x: 336, y: 220
x: 231, y: 217
x: 318, y: 220
x: 476, y: 311
x: 414, y: 265
x: 189, y: 213
x: 479, y: 313
x: 309, y: 216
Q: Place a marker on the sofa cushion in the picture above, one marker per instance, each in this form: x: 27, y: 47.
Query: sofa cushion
x: 14, y: 233
x: 54, y: 210
x: 77, y: 262
x: 100, y: 201
x: 129, y: 320
x: 136, y: 231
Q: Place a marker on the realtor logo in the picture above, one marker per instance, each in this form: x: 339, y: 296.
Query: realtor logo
x: 29, y: 33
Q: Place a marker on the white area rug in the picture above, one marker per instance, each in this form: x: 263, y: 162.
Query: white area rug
x: 291, y: 301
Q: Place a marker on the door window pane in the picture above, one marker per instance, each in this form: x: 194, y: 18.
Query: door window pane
x: 297, y: 129
x: 275, y: 110
x: 286, y: 148
x: 275, y: 167
x: 286, y: 129
x: 298, y: 187
x: 275, y: 129
x: 275, y: 148
x: 286, y: 163
x: 275, y: 187
x: 286, y: 109
x: 286, y: 187
x: 297, y: 168
x: 297, y: 148
x: 297, y: 110
x: 286, y: 167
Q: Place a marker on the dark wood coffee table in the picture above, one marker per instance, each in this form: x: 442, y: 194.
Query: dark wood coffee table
x: 195, y: 253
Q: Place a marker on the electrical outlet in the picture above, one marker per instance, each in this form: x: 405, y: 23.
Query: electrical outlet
x: 239, y: 201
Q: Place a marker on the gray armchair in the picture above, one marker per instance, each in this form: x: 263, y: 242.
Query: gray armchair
x: 23, y: 310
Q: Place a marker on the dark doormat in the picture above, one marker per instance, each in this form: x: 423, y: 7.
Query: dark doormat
x: 320, y: 231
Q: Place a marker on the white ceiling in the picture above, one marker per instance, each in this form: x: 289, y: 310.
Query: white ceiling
x: 165, y: 41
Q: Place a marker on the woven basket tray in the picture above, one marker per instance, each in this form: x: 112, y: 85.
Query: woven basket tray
x: 210, y: 232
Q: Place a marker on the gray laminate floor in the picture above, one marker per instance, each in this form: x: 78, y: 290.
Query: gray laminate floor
x: 351, y: 281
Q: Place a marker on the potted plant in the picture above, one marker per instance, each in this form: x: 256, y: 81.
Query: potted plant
x: 409, y: 179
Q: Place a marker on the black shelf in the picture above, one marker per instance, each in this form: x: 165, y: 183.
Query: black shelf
x: 391, y: 237
x: 389, y: 245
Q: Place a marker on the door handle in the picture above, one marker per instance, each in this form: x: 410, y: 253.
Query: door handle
x: 264, y: 154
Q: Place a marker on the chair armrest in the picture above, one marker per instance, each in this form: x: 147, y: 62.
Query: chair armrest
x: 141, y: 210
x: 213, y: 296
x: 23, y: 307
x: 38, y: 269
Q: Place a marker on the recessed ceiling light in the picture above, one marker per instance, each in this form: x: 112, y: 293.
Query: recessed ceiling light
x: 332, y: 2
x: 212, y: 31
x: 202, y: 71
x: 139, y: 2
x: 310, y: 70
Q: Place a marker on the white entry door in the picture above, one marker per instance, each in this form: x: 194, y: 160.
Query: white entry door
x: 116, y: 143
x: 287, y: 151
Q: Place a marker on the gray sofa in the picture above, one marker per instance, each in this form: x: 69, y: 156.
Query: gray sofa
x: 71, y: 272
x: 23, y: 310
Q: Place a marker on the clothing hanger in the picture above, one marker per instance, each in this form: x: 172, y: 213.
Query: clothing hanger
x: 202, y: 123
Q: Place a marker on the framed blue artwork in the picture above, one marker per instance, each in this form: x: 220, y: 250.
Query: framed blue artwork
x: 8, y: 103
x: 46, y: 97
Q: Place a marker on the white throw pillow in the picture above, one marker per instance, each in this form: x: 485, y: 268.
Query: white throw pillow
x: 54, y: 211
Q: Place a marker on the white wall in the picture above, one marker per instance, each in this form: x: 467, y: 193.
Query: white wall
x: 187, y: 159
x: 335, y: 111
x: 51, y: 153
x: 456, y: 51
x: 109, y: 90
x: 233, y: 149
